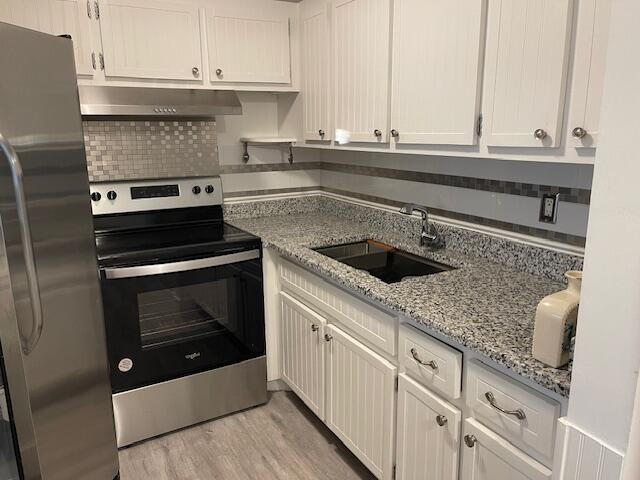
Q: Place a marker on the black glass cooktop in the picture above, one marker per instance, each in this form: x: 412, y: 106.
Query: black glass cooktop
x: 147, y: 238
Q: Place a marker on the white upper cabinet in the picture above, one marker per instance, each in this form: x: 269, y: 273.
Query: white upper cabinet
x: 151, y: 39
x: 248, y: 45
x: 361, y: 55
x: 360, y: 406
x: 437, y: 68
x: 487, y: 456
x: 315, y: 56
x: 428, y: 434
x: 57, y: 17
x: 25, y: 13
x: 526, y: 69
x: 588, y: 71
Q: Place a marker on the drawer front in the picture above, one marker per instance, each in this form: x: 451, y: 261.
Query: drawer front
x: 529, y: 418
x: 366, y: 322
x: 431, y: 362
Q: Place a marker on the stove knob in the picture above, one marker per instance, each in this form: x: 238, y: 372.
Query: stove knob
x: 196, y: 190
x: 208, y: 189
x: 111, y: 195
x: 95, y: 196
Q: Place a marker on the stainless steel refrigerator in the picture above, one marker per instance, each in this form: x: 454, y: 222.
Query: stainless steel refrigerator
x: 56, y: 419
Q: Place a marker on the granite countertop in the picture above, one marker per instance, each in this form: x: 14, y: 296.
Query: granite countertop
x: 484, y: 306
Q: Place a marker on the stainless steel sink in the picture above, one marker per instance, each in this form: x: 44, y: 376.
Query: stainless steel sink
x: 383, y: 261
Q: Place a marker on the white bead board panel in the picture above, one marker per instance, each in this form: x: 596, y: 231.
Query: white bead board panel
x: 437, y: 70
x: 425, y: 449
x: 360, y: 406
x: 316, y: 44
x: 582, y: 456
x: 361, y: 68
x: 526, y: 68
x: 303, y: 353
x: 365, y: 321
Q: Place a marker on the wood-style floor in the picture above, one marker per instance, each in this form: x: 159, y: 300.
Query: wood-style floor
x: 279, y: 440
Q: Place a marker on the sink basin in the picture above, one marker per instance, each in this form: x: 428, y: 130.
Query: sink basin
x: 383, y: 261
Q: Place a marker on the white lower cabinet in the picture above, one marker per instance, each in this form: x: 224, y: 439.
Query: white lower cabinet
x: 428, y: 434
x: 487, y: 456
x: 361, y: 401
x: 303, y: 352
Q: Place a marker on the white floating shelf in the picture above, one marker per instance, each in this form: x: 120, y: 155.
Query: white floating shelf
x: 258, y: 140
x: 267, y: 141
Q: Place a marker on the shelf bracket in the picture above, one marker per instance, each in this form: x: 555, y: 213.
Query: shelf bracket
x: 266, y: 141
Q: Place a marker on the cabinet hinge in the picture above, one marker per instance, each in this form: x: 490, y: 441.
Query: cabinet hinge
x: 101, y: 59
x: 88, y: 9
x: 393, y: 472
x: 97, y: 9
x: 479, y: 126
x: 396, y: 383
x: 93, y: 60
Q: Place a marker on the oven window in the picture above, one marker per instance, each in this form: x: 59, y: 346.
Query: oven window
x: 179, y: 314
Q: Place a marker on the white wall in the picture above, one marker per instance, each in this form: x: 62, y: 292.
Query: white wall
x: 608, y: 337
x: 516, y: 209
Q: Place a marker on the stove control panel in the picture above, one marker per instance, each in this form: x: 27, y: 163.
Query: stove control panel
x: 145, y: 195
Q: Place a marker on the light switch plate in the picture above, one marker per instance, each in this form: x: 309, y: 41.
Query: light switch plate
x: 549, y: 208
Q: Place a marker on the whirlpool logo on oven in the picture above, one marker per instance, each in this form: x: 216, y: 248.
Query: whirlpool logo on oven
x: 192, y: 356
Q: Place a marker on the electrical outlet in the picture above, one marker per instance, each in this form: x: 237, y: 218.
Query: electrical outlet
x: 549, y: 208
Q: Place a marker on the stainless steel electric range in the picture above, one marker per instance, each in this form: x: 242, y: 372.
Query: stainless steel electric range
x: 183, y: 305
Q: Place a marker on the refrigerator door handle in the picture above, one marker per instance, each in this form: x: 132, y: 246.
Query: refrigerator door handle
x: 30, y: 342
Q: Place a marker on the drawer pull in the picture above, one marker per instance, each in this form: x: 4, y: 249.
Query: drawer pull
x: 441, y: 420
x: 328, y: 337
x: 314, y: 327
x: 519, y: 414
x: 470, y: 441
x: 430, y: 363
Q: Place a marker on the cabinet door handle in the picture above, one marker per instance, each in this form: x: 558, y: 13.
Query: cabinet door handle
x: 377, y: 133
x: 519, y: 413
x: 579, y: 132
x: 441, y: 420
x: 321, y: 132
x: 314, y: 327
x: 328, y: 337
x: 470, y: 441
x: 431, y: 364
x: 195, y: 71
x: 540, y: 134
x: 395, y: 133
x: 218, y: 72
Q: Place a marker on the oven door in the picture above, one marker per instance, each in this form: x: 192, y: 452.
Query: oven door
x: 167, y: 320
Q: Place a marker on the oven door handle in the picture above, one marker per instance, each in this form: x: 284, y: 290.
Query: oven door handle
x: 183, y: 266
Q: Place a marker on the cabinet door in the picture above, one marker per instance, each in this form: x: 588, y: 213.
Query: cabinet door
x: 244, y: 47
x: 361, y: 68
x: 72, y: 17
x: 31, y: 14
x: 428, y: 434
x: 361, y: 401
x: 526, y: 63
x: 315, y: 71
x: 303, y: 352
x: 588, y: 71
x: 487, y: 456
x: 150, y: 39
x: 56, y: 17
x: 437, y: 51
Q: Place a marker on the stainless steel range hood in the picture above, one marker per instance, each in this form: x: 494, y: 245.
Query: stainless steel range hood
x: 157, y: 102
